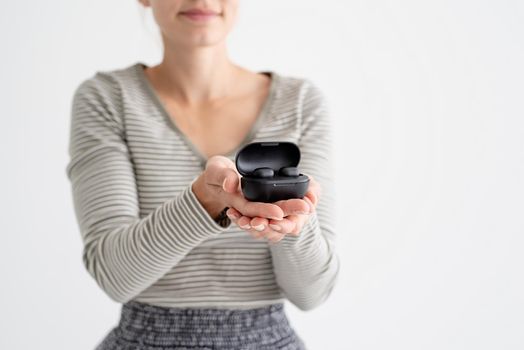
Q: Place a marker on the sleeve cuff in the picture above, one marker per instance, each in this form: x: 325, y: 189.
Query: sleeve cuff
x: 202, y: 218
x: 188, y: 221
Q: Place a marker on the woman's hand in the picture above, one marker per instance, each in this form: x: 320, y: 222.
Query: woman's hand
x: 296, y: 213
x: 219, y: 186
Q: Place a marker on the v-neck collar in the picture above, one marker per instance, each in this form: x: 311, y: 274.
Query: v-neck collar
x: 262, y: 116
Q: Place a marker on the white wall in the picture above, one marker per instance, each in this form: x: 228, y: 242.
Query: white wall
x: 427, y: 100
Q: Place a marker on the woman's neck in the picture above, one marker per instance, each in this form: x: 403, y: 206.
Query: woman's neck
x: 195, y: 75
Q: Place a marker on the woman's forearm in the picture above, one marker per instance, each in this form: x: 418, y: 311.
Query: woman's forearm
x: 306, y: 266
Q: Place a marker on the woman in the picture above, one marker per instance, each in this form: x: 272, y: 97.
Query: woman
x: 165, y: 227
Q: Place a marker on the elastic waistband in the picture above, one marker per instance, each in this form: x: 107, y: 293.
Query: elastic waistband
x: 137, y: 315
x: 144, y: 326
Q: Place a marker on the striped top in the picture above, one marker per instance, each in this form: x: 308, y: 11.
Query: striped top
x: 147, y: 237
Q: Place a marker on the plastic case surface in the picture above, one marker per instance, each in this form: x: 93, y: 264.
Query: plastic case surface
x: 274, y: 155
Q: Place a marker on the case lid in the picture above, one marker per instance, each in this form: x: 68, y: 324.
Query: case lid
x: 274, y: 155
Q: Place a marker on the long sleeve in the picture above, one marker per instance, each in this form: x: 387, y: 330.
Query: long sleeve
x: 307, y: 266
x: 124, y: 253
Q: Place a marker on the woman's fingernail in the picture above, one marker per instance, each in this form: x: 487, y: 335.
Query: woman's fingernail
x: 259, y: 227
x: 275, y: 227
x: 301, y: 212
x: 246, y: 227
x: 233, y: 216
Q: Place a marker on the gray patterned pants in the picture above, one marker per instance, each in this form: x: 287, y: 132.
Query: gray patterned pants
x: 151, y: 327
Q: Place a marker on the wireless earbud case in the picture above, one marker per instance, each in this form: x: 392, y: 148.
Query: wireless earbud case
x: 274, y: 155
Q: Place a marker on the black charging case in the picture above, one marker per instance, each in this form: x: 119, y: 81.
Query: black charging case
x: 274, y: 155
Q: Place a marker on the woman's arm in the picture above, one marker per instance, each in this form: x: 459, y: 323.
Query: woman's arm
x: 306, y: 266
x: 123, y: 253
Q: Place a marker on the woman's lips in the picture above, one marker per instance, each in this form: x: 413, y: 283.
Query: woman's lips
x: 199, y: 16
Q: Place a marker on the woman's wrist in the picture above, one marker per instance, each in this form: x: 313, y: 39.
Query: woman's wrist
x: 210, y: 204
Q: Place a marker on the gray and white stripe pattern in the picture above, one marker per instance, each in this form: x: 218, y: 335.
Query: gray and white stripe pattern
x: 146, y: 236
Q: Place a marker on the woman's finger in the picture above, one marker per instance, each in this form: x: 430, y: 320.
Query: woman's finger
x: 275, y: 230
x: 314, y: 190
x: 293, y: 206
x: 312, y: 198
x: 299, y: 221
x: 253, y: 209
x: 259, y: 224
x: 288, y: 225
x: 272, y: 236
x: 236, y: 217
x: 233, y: 214
x: 283, y: 226
x: 311, y: 205
x: 250, y: 224
x: 257, y: 227
x: 267, y: 232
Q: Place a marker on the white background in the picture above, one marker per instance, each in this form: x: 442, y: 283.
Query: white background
x: 427, y: 100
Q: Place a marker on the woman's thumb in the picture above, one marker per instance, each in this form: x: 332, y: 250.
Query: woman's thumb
x: 220, y: 171
x: 230, y: 183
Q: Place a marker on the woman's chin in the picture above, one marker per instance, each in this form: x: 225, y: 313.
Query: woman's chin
x: 198, y: 38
